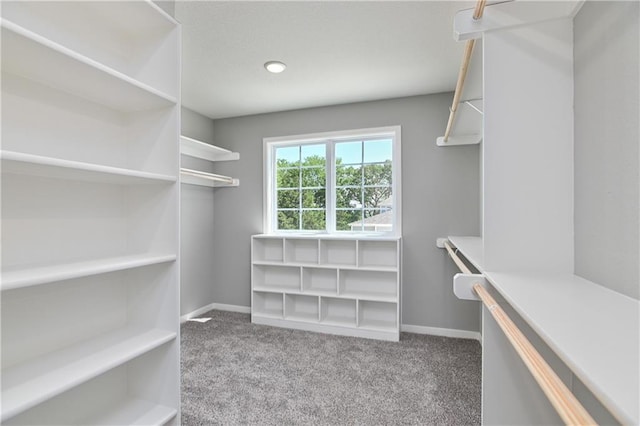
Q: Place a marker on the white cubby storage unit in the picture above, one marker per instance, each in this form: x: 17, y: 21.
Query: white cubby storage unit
x: 90, y: 162
x: 342, y: 285
x: 204, y: 151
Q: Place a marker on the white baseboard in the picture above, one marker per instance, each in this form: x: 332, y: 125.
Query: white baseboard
x: 445, y: 332
x: 216, y: 306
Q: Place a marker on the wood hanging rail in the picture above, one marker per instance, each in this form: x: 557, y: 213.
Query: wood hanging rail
x: 462, y: 74
x: 565, y: 403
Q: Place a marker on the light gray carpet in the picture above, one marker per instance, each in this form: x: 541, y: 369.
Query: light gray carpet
x: 235, y: 372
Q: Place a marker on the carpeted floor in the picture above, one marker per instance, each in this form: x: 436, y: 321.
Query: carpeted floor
x: 235, y: 372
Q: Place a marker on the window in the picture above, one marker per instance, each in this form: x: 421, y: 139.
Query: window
x: 334, y: 182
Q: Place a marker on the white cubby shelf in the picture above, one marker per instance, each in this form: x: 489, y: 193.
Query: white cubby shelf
x: 341, y: 285
x: 90, y: 212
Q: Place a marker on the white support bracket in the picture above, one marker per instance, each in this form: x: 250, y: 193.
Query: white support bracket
x: 463, y: 285
x: 510, y: 15
x: 459, y: 140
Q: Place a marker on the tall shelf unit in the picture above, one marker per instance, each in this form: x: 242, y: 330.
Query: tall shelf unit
x: 90, y: 198
x: 526, y: 251
x: 204, y: 151
x: 347, y: 286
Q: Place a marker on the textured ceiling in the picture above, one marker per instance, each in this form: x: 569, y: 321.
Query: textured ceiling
x: 336, y: 52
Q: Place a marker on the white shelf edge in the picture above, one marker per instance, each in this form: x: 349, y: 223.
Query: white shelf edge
x: 36, y: 165
x: 198, y: 149
x: 132, y: 411
x: 196, y: 177
x: 29, y: 384
x: 31, y: 276
x: 472, y: 248
x: 98, y: 67
x: 455, y: 140
x: 326, y: 266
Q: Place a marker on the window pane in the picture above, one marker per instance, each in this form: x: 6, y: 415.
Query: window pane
x: 313, y: 198
x: 313, y: 155
x: 349, y: 198
x: 377, y: 174
x: 348, y: 175
x: 288, y: 219
x: 314, y: 177
x: 288, y: 178
x: 313, y: 220
x: 349, y: 152
x: 348, y: 220
x: 288, y: 199
x: 288, y: 156
x: 377, y: 151
x: 378, y: 196
x: 378, y: 220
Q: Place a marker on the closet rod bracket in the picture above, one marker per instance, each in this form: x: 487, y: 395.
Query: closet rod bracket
x: 463, y: 285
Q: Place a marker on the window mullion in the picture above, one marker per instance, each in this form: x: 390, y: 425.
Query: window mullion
x: 330, y: 190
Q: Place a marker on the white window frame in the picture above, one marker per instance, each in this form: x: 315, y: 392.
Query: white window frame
x: 269, y: 168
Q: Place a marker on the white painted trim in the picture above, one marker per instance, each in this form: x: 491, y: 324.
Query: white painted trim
x: 444, y: 332
x: 232, y: 308
x: 217, y: 307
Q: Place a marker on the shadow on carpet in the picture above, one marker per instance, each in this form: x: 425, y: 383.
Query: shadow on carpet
x: 238, y: 373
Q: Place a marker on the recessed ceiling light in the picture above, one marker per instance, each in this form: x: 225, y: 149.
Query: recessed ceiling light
x: 275, y: 67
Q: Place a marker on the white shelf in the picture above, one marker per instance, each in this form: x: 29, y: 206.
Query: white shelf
x: 196, y: 177
x: 471, y: 248
x: 29, y: 55
x: 132, y: 411
x: 36, y: 165
x: 561, y: 308
x: 34, y: 275
x: 205, y: 151
x: 30, y: 383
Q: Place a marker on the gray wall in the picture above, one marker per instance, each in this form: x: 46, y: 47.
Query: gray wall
x: 440, y: 193
x: 607, y: 205
x: 196, y: 224
x: 168, y: 6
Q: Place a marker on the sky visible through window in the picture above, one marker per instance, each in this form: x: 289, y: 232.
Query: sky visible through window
x: 375, y: 151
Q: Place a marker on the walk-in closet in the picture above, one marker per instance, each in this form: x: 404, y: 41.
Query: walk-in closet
x: 320, y: 213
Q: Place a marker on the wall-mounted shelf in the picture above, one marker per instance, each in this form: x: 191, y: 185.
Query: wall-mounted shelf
x: 205, y: 151
x: 196, y: 177
x: 198, y: 149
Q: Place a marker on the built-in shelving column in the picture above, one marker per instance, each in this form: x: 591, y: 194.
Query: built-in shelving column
x: 90, y: 196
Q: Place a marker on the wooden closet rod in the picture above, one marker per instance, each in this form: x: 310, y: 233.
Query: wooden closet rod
x: 462, y: 75
x: 565, y: 403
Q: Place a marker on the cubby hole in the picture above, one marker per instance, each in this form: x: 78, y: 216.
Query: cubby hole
x: 368, y: 284
x: 377, y: 254
x: 335, y: 311
x: 377, y: 315
x: 268, y: 304
x: 304, y: 251
x: 267, y: 250
x: 301, y: 308
x: 319, y: 280
x: 338, y: 252
x: 276, y: 277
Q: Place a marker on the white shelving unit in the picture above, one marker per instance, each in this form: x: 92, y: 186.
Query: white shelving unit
x: 197, y: 149
x: 341, y: 285
x: 90, y: 196
x: 585, y: 331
